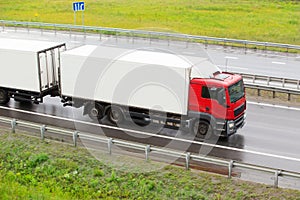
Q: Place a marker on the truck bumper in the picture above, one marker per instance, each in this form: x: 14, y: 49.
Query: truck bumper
x: 232, y: 126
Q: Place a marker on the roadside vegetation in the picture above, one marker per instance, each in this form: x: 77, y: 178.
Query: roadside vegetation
x: 32, y: 169
x: 260, y: 20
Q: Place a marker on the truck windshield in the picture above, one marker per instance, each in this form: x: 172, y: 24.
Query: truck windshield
x: 236, y: 91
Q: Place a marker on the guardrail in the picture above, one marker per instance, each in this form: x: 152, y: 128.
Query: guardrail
x: 147, y: 34
x: 272, y: 84
x: 230, y: 164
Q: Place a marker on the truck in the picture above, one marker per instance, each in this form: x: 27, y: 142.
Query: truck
x: 145, y: 86
x: 29, y: 69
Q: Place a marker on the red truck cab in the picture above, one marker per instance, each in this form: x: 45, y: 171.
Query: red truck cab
x: 218, y: 102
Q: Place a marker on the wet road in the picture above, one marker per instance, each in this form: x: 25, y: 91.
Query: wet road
x: 269, y: 130
x: 270, y: 137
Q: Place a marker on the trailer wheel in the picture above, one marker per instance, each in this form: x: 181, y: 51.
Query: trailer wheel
x: 4, y: 98
x: 96, y: 111
x: 115, y: 115
x: 202, y: 129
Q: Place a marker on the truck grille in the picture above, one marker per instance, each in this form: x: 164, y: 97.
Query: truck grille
x: 239, y: 110
x: 239, y: 121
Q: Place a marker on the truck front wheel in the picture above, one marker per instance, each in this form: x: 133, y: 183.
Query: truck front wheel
x: 202, y: 129
x: 4, y: 98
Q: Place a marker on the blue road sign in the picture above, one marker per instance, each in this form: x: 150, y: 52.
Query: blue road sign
x: 78, y: 6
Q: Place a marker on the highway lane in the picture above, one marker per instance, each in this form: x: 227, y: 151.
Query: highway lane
x: 231, y: 59
x: 269, y: 130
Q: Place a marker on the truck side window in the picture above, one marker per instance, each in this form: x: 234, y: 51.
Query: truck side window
x: 205, y: 92
x: 211, y: 92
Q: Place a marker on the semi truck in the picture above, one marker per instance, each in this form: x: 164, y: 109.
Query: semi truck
x: 142, y: 85
x: 29, y: 69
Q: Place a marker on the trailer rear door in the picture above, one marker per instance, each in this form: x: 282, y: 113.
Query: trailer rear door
x: 49, y: 67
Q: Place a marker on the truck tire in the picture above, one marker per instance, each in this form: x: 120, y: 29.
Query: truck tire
x: 4, y: 98
x: 202, y: 129
x: 115, y: 115
x: 95, y: 111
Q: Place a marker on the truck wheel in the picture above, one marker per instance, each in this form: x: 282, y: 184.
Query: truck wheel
x: 202, y: 129
x: 96, y: 111
x: 115, y: 115
x: 4, y: 98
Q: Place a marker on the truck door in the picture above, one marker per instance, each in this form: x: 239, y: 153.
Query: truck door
x: 208, y: 101
x: 48, y: 61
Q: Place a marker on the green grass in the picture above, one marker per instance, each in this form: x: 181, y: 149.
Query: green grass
x: 31, y: 169
x: 261, y: 20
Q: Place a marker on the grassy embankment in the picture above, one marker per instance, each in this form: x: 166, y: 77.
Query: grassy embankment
x: 261, y: 20
x: 31, y: 169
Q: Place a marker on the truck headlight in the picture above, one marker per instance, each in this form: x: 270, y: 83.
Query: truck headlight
x: 231, y: 125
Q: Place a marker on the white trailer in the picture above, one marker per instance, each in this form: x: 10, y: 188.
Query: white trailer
x: 29, y: 69
x: 140, y: 78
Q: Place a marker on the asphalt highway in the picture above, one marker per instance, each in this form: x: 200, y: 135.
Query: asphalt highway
x: 270, y: 137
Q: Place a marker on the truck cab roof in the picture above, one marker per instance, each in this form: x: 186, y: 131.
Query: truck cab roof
x: 219, y: 79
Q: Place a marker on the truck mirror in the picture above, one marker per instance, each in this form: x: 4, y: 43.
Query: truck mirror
x: 221, y: 97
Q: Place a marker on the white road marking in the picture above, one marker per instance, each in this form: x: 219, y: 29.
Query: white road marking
x: 233, y: 58
x: 273, y: 106
x: 161, y: 136
x: 278, y: 63
x: 234, y: 67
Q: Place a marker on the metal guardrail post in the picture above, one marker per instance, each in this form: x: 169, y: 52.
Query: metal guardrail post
x: 43, y: 130
x: 75, y: 137
x: 54, y: 29
x: 289, y: 96
x: 147, y: 151
x: 187, y: 160
x: 230, y: 167
x: 132, y: 37
x: 41, y: 29
x: 277, y: 174
x: 187, y: 42
x: 109, y: 145
x: 253, y: 79
x: 84, y: 29
x: 258, y: 92
x: 13, y: 125
x: 268, y: 81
